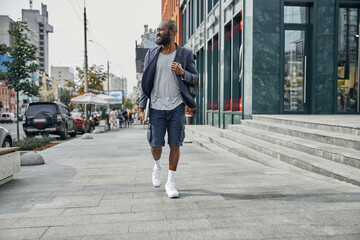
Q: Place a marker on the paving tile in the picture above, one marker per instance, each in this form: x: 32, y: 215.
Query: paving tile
x: 219, y: 233
x: 96, y: 210
x: 176, y: 205
x: 22, y: 233
x: 169, y: 225
x: 130, y: 236
x: 121, y: 217
x: 86, y: 230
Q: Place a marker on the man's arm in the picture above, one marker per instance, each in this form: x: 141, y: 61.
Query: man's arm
x: 191, y: 75
x: 143, y: 98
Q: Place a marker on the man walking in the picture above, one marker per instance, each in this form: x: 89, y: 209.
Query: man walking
x: 163, y: 83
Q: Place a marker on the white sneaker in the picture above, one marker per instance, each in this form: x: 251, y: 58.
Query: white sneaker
x: 156, y: 177
x: 171, y: 190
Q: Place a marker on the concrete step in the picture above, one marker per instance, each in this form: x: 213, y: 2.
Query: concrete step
x: 209, y: 138
x: 318, y: 123
x: 337, y: 139
x: 338, y: 154
x: 296, y: 158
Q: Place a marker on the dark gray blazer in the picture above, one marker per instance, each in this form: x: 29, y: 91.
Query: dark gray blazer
x: 147, y: 82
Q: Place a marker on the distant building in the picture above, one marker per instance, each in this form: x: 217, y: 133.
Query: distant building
x: 147, y: 41
x: 5, y: 25
x: 63, y: 75
x: 170, y: 9
x: 38, y: 34
x: 7, y: 96
x: 48, y: 88
x: 116, y: 84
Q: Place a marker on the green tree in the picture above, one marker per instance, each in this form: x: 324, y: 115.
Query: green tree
x: 64, y: 96
x: 21, y: 65
x: 96, y: 79
x: 128, y: 103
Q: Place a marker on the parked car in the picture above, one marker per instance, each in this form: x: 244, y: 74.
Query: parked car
x: 82, y: 124
x: 48, y: 118
x: 7, y: 118
x: 5, y: 137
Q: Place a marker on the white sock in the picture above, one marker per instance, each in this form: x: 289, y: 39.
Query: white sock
x: 171, y: 176
x: 158, y: 164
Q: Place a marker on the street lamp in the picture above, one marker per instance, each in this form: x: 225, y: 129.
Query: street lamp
x: 107, y: 56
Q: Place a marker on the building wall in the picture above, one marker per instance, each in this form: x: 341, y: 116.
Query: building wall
x: 266, y: 56
x: 8, y: 98
x: 263, y: 56
x: 170, y: 9
x: 325, y: 32
x: 61, y: 74
x: 38, y: 33
x: 48, y: 88
x: 5, y: 25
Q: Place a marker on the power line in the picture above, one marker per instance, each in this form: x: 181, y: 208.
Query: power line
x: 76, y: 12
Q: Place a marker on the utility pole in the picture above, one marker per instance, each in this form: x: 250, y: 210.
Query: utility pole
x: 86, y: 60
x: 108, y: 78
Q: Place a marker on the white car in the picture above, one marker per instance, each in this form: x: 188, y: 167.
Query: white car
x: 7, y: 118
x: 5, y: 137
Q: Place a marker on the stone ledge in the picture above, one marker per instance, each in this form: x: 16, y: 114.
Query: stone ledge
x: 9, y: 164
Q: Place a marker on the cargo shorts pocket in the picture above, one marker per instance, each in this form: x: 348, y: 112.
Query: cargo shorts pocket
x: 149, y: 133
x: 182, y: 133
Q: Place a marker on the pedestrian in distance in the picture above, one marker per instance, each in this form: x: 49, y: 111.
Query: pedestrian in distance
x: 126, y: 119
x: 113, y: 121
x: 163, y: 83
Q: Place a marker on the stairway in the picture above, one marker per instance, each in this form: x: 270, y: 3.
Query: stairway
x: 328, y: 149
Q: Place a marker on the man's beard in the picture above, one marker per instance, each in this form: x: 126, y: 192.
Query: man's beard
x: 165, y: 40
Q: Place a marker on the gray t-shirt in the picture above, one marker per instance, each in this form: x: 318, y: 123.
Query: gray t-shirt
x: 165, y: 94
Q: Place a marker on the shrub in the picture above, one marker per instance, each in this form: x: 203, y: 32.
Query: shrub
x: 30, y: 143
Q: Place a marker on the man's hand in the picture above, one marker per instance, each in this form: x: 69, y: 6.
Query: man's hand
x: 176, y: 67
x: 142, y: 114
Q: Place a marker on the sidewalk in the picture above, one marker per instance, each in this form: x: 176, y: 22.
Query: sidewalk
x: 101, y: 189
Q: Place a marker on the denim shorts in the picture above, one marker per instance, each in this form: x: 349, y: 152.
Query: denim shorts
x: 172, y: 121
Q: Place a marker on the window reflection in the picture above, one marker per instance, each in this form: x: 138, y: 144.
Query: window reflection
x: 348, y: 60
x: 295, y: 14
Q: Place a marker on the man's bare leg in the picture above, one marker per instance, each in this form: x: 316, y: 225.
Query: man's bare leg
x: 156, y: 152
x: 174, y: 157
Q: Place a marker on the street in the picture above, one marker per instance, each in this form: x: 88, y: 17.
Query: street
x: 12, y: 128
x: 101, y: 189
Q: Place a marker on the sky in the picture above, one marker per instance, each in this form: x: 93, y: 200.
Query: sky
x: 114, y: 25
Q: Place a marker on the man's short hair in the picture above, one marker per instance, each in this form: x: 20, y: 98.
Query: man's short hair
x: 172, y: 24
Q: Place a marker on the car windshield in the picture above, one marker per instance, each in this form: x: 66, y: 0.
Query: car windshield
x: 41, y: 108
x: 76, y: 114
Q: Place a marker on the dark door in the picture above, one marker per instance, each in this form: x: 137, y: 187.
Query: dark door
x: 297, y: 68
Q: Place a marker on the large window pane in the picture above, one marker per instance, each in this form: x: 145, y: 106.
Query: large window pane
x: 210, y: 5
x: 227, y: 67
x: 183, y: 33
x: 295, y: 14
x: 236, y: 98
x: 348, y: 60
x: 215, y: 73
x: 294, y: 70
x: 209, y: 76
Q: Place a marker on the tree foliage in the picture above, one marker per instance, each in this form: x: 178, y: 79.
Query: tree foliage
x: 128, y: 103
x: 64, y: 96
x: 96, y: 79
x: 22, y: 63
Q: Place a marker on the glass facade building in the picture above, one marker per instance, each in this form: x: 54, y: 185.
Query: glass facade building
x: 273, y: 57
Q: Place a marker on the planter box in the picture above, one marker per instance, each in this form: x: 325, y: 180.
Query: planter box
x: 9, y: 163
